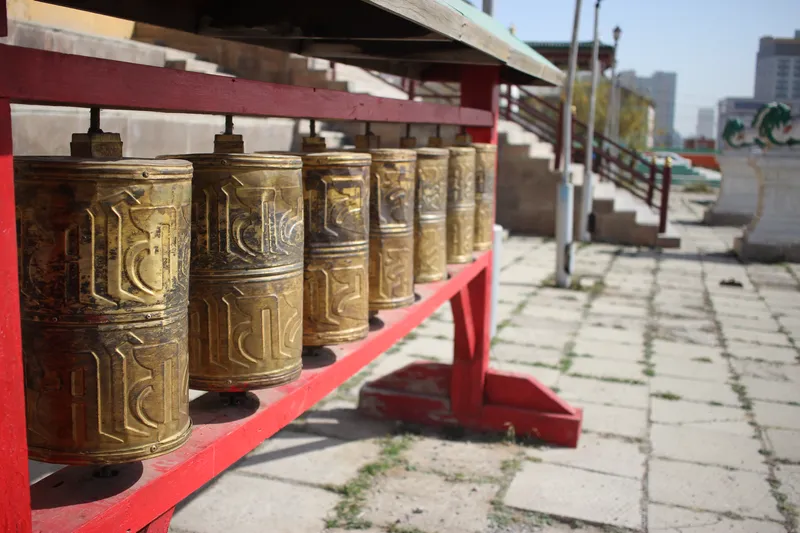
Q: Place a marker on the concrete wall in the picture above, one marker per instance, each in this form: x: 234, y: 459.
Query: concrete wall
x: 71, y: 19
x: 40, y: 130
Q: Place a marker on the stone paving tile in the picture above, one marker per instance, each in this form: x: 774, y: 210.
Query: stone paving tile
x: 618, y: 310
x: 459, y: 459
x: 688, y: 335
x: 773, y: 354
x: 515, y: 293
x: 715, y: 370
x: 789, y: 476
x: 668, y: 519
x: 436, y: 328
x: 609, y: 350
x: 574, y: 493
x: 777, y: 415
x: 756, y: 312
x: 614, y: 420
x: 708, y: 447
x: 388, y: 363
x: 756, y: 337
x: 616, y: 322
x: 596, y: 391
x: 598, y: 454
x: 244, y: 504
x: 565, y: 297
x: 765, y: 324
x: 520, y: 335
x: 508, y: 352
x: 599, y: 368
x: 618, y: 335
x: 441, y: 349
x: 684, y: 350
x: 767, y: 371
x: 340, y: 419
x: 762, y: 389
x: 537, y: 311
x: 711, y: 488
x: 429, y: 502
x: 542, y: 326
x: 784, y: 443
x: 296, y: 456
x: 689, y: 389
x: 546, y: 376
x: 704, y: 416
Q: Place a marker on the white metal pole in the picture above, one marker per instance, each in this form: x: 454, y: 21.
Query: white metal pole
x: 588, y: 179
x: 497, y: 250
x: 564, y: 206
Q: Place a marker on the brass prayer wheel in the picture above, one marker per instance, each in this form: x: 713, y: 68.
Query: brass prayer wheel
x: 485, y: 169
x: 460, y: 204
x: 391, y: 228
x: 335, y: 279
x: 104, y: 278
x: 246, y: 294
x: 430, y: 215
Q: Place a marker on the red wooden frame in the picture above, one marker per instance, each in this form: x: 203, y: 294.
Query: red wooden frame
x: 140, y: 497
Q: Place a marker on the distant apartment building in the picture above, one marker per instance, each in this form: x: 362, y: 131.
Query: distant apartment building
x: 661, y: 87
x: 778, y: 69
x: 705, y: 123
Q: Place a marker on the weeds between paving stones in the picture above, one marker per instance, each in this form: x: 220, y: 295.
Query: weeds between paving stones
x: 608, y: 379
x: 349, y: 509
x: 787, y: 510
x: 703, y: 359
x: 396, y: 528
x: 671, y: 396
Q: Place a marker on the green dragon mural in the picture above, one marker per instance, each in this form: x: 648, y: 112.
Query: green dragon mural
x: 773, y: 125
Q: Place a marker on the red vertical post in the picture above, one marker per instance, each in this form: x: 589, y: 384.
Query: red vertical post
x: 3, y: 19
x: 480, y: 88
x: 666, y: 184
x: 508, y: 101
x: 15, y: 511
x: 412, y: 89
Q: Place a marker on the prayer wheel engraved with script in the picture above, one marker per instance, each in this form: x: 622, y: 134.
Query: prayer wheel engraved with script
x: 430, y: 232
x: 485, y: 169
x: 391, y: 230
x: 246, y: 296
x: 460, y: 204
x: 104, y: 277
x: 335, y: 280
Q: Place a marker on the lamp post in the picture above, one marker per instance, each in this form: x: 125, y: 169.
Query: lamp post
x: 611, y: 112
x: 586, y: 200
x: 564, y: 205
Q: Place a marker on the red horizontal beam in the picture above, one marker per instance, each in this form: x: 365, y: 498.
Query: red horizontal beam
x: 51, y: 78
x: 73, y: 500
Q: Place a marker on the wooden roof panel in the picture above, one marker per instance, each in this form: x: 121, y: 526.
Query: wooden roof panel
x: 421, y: 39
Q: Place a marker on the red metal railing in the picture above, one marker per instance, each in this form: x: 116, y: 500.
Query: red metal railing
x: 613, y: 161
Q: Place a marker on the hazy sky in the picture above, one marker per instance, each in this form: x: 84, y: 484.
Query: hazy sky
x: 711, y: 44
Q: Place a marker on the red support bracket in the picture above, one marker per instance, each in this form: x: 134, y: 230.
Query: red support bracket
x: 468, y: 393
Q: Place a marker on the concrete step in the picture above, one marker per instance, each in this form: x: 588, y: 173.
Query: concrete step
x: 194, y: 65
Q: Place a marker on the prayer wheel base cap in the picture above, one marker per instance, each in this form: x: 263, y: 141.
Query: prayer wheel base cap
x: 228, y: 144
x: 129, y: 455
x: 96, y: 145
x: 243, y: 383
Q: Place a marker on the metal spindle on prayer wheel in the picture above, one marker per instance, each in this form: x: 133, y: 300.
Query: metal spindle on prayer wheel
x: 246, y: 295
x: 460, y: 204
x: 391, y: 230
x: 485, y: 169
x: 335, y: 280
x: 430, y: 231
x: 104, y: 277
